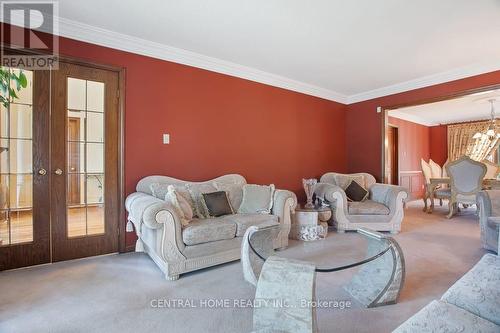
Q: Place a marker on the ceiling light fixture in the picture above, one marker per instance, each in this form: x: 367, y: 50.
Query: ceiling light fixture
x: 491, y: 131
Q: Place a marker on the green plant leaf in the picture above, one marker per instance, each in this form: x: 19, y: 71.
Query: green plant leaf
x: 23, y: 81
x: 12, y: 93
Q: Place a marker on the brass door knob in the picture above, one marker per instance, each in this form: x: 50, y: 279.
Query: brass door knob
x: 42, y: 172
x: 58, y: 172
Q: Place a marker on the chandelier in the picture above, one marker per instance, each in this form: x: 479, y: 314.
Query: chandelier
x: 491, y: 131
x: 487, y: 141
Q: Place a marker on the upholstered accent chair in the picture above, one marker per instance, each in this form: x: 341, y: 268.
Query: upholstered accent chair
x: 466, y: 177
x: 489, y: 219
x: 202, y: 242
x: 433, y: 170
x: 382, y: 211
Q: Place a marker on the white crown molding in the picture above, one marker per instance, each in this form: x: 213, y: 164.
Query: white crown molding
x: 426, y: 81
x: 99, y: 36
x: 87, y: 33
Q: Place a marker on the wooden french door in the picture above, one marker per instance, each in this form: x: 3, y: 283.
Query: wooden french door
x: 24, y: 185
x: 59, y: 167
x: 84, y: 160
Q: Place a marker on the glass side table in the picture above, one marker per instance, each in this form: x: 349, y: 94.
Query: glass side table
x: 309, y: 224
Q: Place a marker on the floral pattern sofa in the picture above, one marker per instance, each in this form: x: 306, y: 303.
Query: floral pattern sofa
x: 203, y: 242
x: 472, y: 304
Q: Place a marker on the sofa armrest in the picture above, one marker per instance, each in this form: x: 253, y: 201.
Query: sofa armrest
x: 144, y: 208
x: 331, y: 193
x: 484, y: 203
x: 153, y: 213
x: 388, y: 195
x: 284, y: 204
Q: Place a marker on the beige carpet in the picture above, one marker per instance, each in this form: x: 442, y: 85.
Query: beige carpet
x: 114, y: 293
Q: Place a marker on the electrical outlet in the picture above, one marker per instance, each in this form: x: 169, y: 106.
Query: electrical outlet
x: 166, y: 139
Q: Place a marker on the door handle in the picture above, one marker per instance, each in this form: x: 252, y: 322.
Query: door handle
x: 42, y: 172
x: 58, y: 172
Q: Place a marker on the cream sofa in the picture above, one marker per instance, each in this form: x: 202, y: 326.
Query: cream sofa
x: 472, y: 304
x: 204, y: 242
x: 489, y: 219
x: 382, y: 211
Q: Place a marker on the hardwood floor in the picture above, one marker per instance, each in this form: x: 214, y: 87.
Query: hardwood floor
x: 22, y: 228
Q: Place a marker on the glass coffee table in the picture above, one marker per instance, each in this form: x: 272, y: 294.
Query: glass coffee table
x: 280, y: 276
x: 380, y: 262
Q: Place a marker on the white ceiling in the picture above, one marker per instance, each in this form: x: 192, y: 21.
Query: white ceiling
x: 341, y: 50
x: 468, y: 108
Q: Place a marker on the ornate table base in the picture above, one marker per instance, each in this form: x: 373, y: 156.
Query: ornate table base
x: 379, y: 282
x: 284, y: 304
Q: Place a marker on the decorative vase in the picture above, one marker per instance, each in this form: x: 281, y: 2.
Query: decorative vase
x: 309, y: 189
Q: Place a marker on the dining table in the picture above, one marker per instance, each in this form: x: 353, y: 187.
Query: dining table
x: 435, y: 182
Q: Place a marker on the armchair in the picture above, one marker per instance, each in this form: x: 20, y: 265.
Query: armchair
x: 382, y: 211
x: 466, y: 176
x: 489, y: 219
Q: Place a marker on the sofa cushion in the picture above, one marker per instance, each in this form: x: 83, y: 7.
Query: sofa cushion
x: 257, y: 199
x: 440, y: 317
x: 217, y: 204
x: 356, y: 192
x: 343, y: 181
x: 208, y: 230
x: 234, y: 192
x: 478, y: 291
x: 184, y: 210
x: 244, y: 221
x: 196, y: 191
x: 367, y: 207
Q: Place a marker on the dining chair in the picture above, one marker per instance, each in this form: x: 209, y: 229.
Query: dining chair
x: 466, y: 178
x: 436, y: 170
x: 427, y: 171
x: 491, y: 169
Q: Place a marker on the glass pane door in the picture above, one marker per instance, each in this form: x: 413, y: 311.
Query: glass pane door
x: 16, y: 165
x: 24, y: 160
x: 85, y: 152
x: 85, y: 141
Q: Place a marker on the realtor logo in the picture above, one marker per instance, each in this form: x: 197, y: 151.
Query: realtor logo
x: 30, y: 34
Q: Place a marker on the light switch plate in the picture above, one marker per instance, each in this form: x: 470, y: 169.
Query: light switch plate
x: 166, y: 139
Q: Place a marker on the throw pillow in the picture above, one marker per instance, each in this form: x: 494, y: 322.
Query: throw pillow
x: 234, y: 193
x: 257, y: 199
x: 181, y: 205
x: 217, y: 204
x: 159, y: 190
x: 344, y: 180
x: 356, y: 192
x: 196, y: 191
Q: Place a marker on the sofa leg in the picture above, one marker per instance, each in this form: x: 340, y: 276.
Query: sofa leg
x: 171, y: 277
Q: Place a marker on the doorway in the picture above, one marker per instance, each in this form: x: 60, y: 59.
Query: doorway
x: 60, y: 153
x: 392, y: 156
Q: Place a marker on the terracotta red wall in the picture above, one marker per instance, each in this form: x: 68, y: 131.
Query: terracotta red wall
x: 219, y: 124
x: 439, y: 143
x: 413, y: 143
x: 364, y: 138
